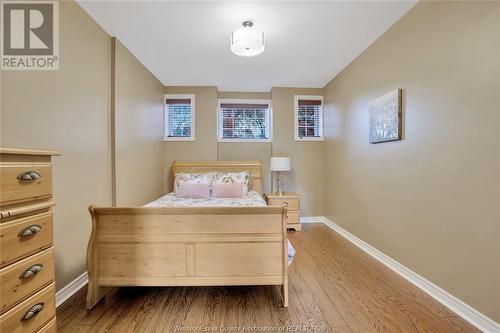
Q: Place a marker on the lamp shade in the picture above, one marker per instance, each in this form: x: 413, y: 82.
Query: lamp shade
x: 280, y: 164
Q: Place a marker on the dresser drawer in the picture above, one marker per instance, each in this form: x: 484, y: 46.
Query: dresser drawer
x: 23, y: 278
x: 51, y: 327
x: 25, y: 182
x: 37, y: 230
x: 16, y: 321
x: 293, y: 203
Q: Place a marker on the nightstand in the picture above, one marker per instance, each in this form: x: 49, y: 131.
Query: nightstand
x: 293, y: 201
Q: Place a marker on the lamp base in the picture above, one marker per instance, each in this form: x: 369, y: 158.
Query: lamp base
x: 278, y: 185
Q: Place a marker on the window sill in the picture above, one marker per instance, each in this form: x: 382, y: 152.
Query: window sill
x: 309, y: 139
x: 170, y: 139
x: 244, y: 141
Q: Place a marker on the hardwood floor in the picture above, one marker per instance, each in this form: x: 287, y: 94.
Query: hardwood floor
x: 334, y: 287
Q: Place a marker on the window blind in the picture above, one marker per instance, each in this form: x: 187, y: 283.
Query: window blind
x: 244, y: 121
x: 182, y: 101
x: 309, y: 118
x: 179, y: 118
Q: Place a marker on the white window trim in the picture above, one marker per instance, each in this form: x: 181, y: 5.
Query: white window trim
x: 296, y: 118
x: 165, y: 117
x: 243, y: 101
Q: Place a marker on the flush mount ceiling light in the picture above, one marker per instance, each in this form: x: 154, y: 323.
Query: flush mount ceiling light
x: 247, y: 41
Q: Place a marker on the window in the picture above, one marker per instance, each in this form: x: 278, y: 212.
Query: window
x: 244, y: 120
x: 308, y: 118
x: 179, y: 118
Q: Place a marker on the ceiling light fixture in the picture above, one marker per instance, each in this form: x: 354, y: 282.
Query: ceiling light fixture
x: 247, y: 41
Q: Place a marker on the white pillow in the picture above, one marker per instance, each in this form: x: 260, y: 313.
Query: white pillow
x: 192, y: 178
x: 232, y: 178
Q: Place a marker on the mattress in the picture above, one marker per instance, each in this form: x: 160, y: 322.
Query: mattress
x: 252, y: 199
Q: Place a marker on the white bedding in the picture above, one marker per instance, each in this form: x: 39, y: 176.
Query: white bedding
x: 252, y: 199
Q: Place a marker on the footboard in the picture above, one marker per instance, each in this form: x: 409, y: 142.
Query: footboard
x: 186, y: 247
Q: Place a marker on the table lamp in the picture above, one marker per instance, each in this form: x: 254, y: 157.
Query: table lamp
x: 280, y: 164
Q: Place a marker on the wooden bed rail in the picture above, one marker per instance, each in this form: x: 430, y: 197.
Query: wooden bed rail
x: 184, y: 210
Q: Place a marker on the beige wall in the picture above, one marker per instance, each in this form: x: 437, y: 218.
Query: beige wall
x: 307, y: 158
x: 431, y: 201
x: 205, y: 146
x: 261, y: 151
x: 247, y: 150
x: 67, y: 110
x: 139, y: 131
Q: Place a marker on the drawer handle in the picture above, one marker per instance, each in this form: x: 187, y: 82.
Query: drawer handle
x: 31, y: 271
x: 33, y: 311
x: 29, y: 175
x: 30, y: 231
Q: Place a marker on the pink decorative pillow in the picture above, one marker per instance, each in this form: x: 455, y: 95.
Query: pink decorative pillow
x: 194, y: 191
x: 227, y: 190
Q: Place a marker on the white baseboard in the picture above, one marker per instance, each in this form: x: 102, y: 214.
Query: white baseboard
x: 312, y: 219
x: 465, y: 311
x: 71, y: 288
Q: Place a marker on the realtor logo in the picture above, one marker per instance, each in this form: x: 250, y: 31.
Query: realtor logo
x: 30, y: 35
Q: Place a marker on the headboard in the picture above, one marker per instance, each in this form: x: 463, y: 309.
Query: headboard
x: 254, y: 168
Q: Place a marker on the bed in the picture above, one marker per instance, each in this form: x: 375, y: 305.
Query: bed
x: 191, y: 242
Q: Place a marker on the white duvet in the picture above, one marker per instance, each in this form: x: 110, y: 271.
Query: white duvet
x: 252, y: 199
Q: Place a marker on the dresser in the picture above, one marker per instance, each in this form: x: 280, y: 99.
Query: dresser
x: 293, y: 202
x: 27, y: 302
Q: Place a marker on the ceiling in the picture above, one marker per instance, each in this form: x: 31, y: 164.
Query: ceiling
x: 187, y: 43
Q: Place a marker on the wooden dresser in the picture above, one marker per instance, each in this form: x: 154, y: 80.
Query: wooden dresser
x: 27, y: 291
x: 293, y: 202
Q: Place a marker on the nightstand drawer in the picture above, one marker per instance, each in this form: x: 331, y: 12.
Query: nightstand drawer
x: 293, y: 217
x: 293, y: 203
x: 293, y: 212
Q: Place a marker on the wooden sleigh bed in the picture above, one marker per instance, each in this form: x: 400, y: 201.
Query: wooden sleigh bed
x: 189, y: 246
